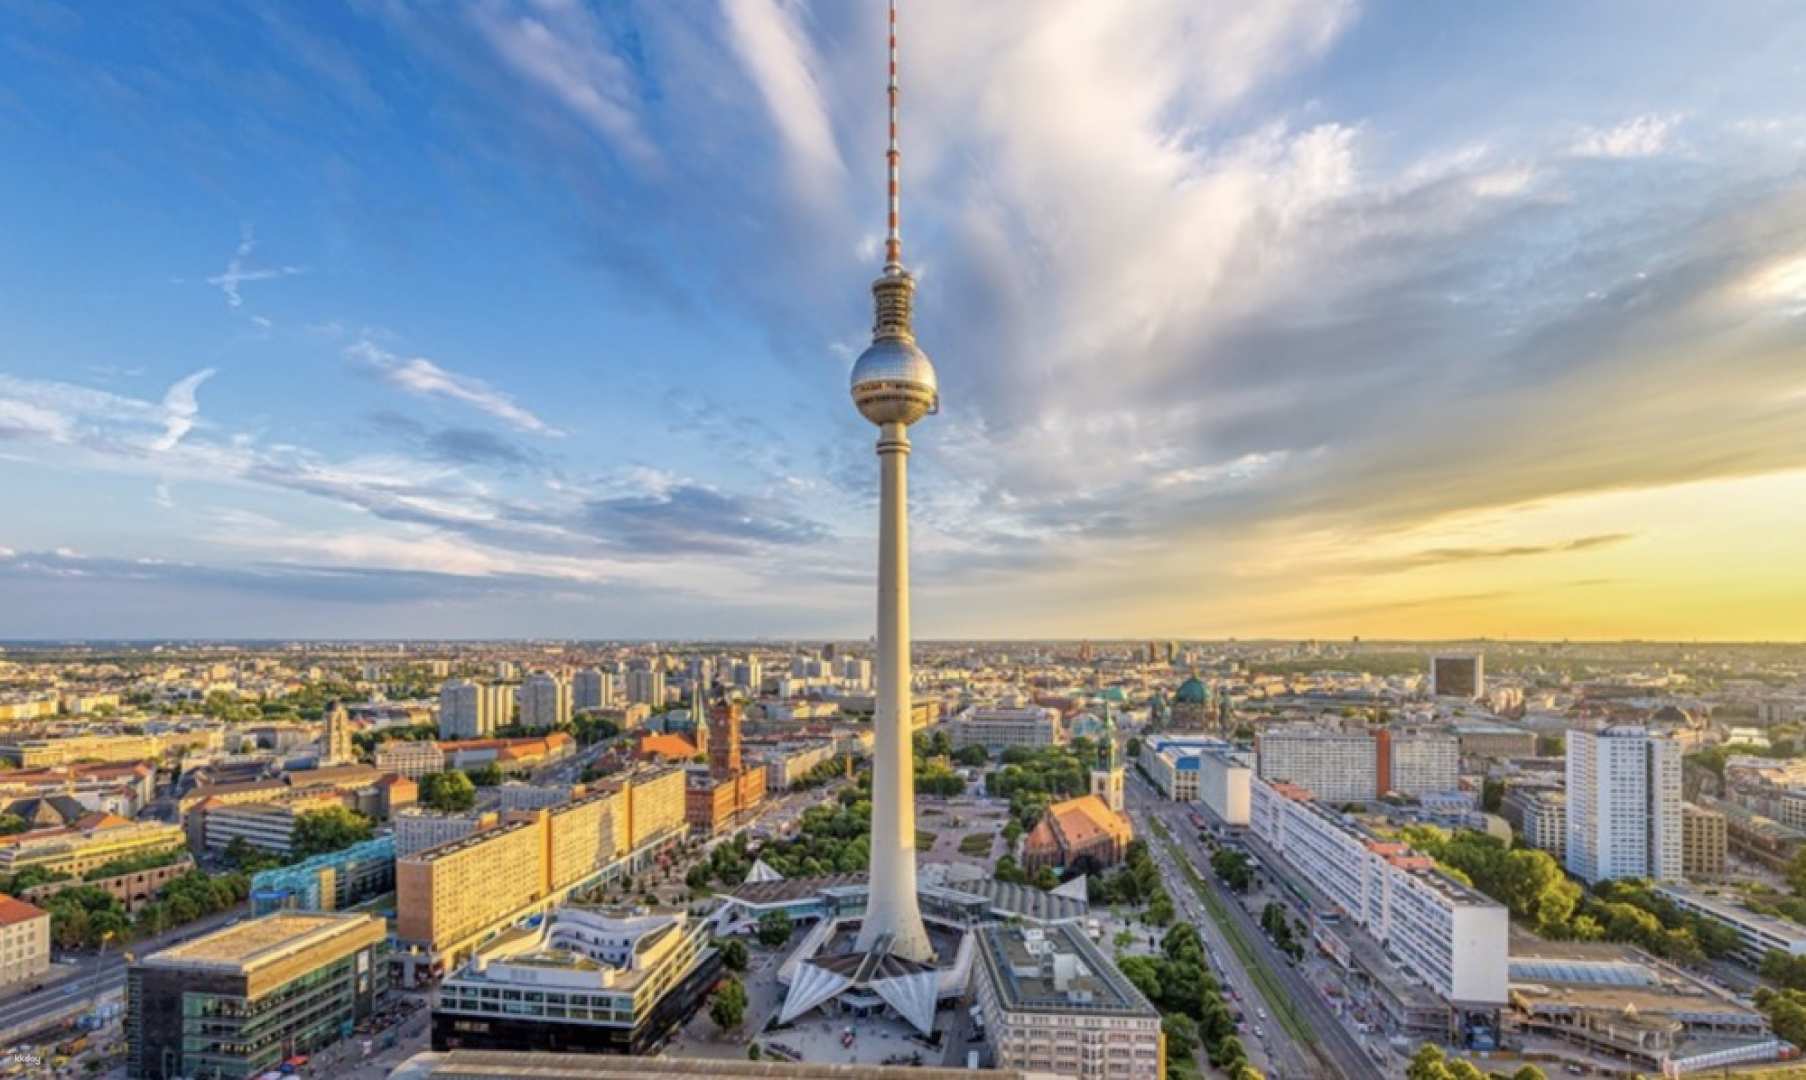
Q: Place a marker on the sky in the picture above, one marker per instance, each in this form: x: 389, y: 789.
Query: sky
x: 1311, y: 318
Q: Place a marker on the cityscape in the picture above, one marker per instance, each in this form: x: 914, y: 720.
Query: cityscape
x: 1348, y: 621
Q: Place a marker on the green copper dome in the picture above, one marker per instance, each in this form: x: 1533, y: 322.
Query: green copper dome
x: 1192, y: 692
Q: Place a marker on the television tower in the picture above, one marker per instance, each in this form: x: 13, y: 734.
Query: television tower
x: 894, y: 386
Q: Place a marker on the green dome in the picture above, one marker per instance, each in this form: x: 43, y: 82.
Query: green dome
x: 1114, y: 693
x: 1192, y: 692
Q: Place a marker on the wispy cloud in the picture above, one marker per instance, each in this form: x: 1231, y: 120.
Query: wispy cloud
x: 420, y: 376
x: 180, y: 409
x: 1641, y: 136
x: 237, y: 272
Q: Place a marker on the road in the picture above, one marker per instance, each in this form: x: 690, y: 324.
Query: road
x: 99, y: 976
x: 1329, y: 1038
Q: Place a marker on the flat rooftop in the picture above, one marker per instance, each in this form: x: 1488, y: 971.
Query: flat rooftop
x: 504, y: 1065
x: 249, y: 946
x: 1056, y: 969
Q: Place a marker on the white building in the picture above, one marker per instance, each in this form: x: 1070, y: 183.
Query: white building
x: 592, y: 689
x: 410, y: 758
x: 545, y: 701
x: 1451, y: 936
x: 1757, y: 935
x: 1174, y: 763
x: 1541, y: 818
x: 1422, y: 762
x: 1336, y: 766
x: 469, y: 710
x: 1000, y: 728
x: 1223, y: 784
x: 1624, y: 805
x: 417, y: 830
x: 1051, y: 1003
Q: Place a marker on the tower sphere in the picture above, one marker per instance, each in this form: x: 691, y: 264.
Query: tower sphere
x: 893, y: 382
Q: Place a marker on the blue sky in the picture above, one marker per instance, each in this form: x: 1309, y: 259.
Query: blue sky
x: 492, y: 318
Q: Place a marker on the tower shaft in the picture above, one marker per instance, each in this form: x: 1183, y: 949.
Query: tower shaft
x: 892, y: 907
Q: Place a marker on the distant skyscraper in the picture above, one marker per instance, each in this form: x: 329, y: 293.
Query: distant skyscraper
x: 1458, y: 676
x: 545, y: 701
x: 335, y: 743
x: 894, y: 385
x: 646, y: 687
x: 592, y: 689
x: 1624, y: 805
x: 469, y: 710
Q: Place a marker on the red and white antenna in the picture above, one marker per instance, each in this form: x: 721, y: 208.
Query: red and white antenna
x: 893, y: 243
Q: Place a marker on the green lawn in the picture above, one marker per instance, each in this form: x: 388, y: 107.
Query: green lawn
x: 924, y: 840
x: 976, y: 844
x: 1253, y: 962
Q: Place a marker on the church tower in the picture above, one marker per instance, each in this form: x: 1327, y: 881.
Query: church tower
x: 1107, y: 775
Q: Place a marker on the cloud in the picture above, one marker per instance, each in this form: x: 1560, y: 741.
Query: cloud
x: 22, y: 419
x: 180, y: 409
x: 422, y: 377
x: 689, y: 518
x: 774, y: 48
x: 1641, y: 136
x: 1459, y: 555
x: 237, y: 273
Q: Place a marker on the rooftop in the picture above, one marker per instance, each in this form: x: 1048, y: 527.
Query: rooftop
x: 14, y: 911
x: 501, y: 1065
x: 258, y: 943
x: 1056, y: 969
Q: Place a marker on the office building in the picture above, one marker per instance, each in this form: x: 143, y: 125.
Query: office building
x: 786, y: 765
x: 1051, y: 1002
x: 92, y: 841
x: 1540, y: 815
x: 1624, y: 805
x: 545, y: 702
x: 1335, y: 766
x: 1451, y: 936
x: 451, y: 896
x: 1418, y: 763
x: 333, y: 881
x: 419, y: 829
x: 592, y: 689
x: 1757, y: 935
x: 584, y: 980
x: 1223, y: 779
x: 470, y: 710
x: 998, y: 729
x: 1458, y: 676
x: 267, y: 826
x: 410, y: 758
x: 1489, y: 740
x: 646, y: 687
x: 1174, y: 763
x: 24, y: 943
x: 1704, y: 840
x: 240, y: 1001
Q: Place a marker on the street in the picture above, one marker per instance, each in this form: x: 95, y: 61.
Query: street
x: 1332, y: 1046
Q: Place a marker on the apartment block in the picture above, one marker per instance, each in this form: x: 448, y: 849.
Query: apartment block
x: 545, y: 701
x: 1624, y: 805
x: 93, y: 841
x: 1540, y: 815
x: 1757, y: 935
x: 417, y: 830
x: 1704, y: 840
x: 1418, y: 762
x: 998, y: 729
x: 24, y: 942
x: 410, y: 758
x: 1449, y: 935
x: 1336, y: 766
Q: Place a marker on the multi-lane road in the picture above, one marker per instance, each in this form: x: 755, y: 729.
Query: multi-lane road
x: 1330, y: 1049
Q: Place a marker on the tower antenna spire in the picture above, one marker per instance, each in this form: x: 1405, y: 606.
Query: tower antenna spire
x: 893, y: 241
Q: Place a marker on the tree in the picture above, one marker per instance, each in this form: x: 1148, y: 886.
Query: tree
x: 449, y: 792
x: 774, y: 928
x: 1046, y: 880
x: 1529, y: 1072
x: 1492, y: 795
x: 733, y: 954
x: 728, y: 1007
x: 1234, y: 868
x: 1133, y: 747
x: 1428, y: 1064
x: 972, y: 757
x: 1181, y: 1034
x: 488, y: 776
x: 752, y: 1052
x: 329, y: 829
x: 12, y: 823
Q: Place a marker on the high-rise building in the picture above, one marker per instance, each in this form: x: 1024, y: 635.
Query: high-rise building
x: 750, y: 674
x: 545, y: 701
x: 1419, y: 762
x: 592, y: 689
x: 336, y: 747
x: 1336, y: 766
x: 1703, y: 842
x: 470, y: 710
x: 242, y: 1000
x: 646, y: 687
x: 893, y: 386
x: 1624, y: 805
x: 1458, y: 676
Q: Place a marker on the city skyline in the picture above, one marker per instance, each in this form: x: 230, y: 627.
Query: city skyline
x: 533, y: 321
